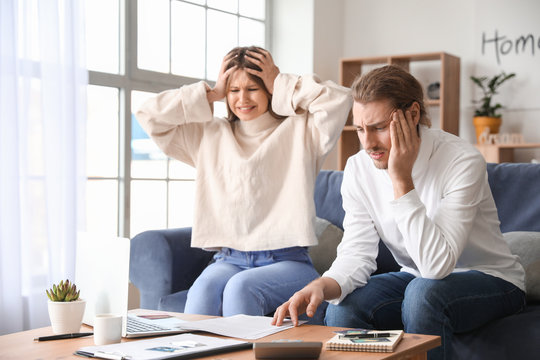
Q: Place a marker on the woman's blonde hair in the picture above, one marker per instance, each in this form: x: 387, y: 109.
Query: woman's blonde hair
x: 242, y: 61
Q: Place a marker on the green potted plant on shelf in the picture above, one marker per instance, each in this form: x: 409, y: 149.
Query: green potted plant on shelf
x: 486, y: 113
x: 66, y: 309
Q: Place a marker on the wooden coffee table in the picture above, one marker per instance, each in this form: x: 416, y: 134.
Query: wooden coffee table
x: 21, y: 345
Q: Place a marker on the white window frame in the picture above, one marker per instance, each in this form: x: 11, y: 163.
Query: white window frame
x: 131, y: 78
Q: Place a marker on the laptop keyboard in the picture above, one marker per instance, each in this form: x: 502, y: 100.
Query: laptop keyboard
x: 135, y: 326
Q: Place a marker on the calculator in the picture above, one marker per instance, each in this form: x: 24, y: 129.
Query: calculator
x: 287, y: 349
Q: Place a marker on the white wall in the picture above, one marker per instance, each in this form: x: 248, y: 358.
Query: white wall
x: 328, y: 42
x: 292, y: 35
x: 328, y: 38
x: 327, y: 30
x: 307, y: 37
x: 386, y: 27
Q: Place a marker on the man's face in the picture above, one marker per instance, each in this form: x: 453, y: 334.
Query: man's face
x: 372, y: 121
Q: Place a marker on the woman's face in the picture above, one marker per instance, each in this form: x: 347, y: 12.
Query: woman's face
x: 246, y: 99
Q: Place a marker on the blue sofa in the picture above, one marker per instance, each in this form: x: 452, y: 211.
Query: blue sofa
x: 163, y: 265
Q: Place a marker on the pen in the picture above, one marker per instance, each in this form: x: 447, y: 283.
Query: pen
x: 366, y: 336
x: 63, y: 336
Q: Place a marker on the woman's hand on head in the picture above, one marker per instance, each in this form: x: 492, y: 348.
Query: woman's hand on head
x: 269, y: 70
x: 219, y: 91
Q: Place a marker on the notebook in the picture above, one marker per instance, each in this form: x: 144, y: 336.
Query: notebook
x: 102, y: 275
x: 346, y: 340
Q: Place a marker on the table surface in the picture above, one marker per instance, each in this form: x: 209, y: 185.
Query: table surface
x: 21, y: 345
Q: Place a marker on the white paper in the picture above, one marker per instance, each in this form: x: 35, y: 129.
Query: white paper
x: 239, y: 326
x: 161, y: 348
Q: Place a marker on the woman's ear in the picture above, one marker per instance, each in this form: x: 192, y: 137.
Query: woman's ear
x: 415, y: 112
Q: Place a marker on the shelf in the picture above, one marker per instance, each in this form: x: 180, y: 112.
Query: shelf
x: 503, y: 152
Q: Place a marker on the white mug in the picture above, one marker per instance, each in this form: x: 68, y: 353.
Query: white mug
x: 107, y: 329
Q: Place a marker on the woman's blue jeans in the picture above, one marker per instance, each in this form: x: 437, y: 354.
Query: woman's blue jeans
x: 458, y: 303
x: 250, y: 282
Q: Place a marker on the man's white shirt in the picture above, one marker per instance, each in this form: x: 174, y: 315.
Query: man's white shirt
x: 448, y: 223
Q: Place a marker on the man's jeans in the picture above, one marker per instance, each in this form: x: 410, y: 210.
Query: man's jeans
x: 250, y: 282
x: 459, y: 303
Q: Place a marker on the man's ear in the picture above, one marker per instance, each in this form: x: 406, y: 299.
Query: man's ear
x: 415, y: 112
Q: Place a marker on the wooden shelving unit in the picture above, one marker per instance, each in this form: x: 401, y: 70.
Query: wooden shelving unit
x: 503, y: 152
x: 448, y: 102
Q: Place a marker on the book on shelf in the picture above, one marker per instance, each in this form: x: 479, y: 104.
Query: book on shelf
x: 365, y: 340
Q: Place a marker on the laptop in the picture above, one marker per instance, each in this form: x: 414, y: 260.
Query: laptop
x: 102, y: 275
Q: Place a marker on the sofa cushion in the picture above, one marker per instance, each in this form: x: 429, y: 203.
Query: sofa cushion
x: 329, y: 237
x: 327, y: 197
x: 526, y: 245
x: 511, y: 337
x: 515, y: 190
x: 174, y: 302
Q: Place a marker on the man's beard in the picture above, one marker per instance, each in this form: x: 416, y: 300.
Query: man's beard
x: 380, y: 165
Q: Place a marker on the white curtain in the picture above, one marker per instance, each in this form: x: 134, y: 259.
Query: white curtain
x: 42, y: 153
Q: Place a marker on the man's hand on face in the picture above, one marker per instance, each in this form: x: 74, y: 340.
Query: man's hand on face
x: 405, y: 147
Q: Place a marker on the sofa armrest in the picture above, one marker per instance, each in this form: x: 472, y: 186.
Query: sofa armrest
x: 163, y: 262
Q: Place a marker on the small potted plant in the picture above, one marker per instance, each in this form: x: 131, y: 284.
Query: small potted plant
x: 66, y: 310
x: 486, y: 114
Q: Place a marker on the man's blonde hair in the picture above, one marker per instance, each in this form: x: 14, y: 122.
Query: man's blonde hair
x: 393, y: 84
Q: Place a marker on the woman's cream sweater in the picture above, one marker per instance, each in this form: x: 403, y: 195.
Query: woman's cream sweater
x: 255, y: 179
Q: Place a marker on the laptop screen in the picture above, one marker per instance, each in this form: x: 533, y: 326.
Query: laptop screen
x: 102, y: 274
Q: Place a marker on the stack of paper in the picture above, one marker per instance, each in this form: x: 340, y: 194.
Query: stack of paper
x: 178, y: 347
x: 238, y: 326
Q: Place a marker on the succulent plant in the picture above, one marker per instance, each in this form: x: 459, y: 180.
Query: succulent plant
x: 65, y: 291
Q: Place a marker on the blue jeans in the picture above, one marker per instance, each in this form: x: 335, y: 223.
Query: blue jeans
x: 459, y: 303
x: 250, y: 282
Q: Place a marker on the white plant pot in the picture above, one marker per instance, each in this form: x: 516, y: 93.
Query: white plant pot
x: 66, y: 317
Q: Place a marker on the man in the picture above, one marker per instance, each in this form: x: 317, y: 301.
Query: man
x: 425, y: 194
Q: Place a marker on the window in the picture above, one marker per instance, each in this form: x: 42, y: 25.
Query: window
x: 136, y: 48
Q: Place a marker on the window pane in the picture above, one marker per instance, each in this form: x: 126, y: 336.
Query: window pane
x: 220, y: 109
x: 200, y: 2
x: 149, y: 168
x: 253, y: 8
x: 35, y: 199
x: 103, y: 35
x: 28, y: 30
x: 187, y: 47
x: 102, y: 131
x: 31, y: 89
x: 147, y: 160
x: 226, y: 5
x: 180, y: 170
x: 102, y: 206
x: 222, y: 37
x: 153, y: 35
x: 251, y: 33
x: 181, y: 198
x: 148, y: 206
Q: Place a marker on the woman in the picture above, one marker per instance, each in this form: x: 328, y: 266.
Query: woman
x: 256, y: 174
